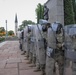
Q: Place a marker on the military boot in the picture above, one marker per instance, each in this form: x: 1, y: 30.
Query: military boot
x: 42, y: 69
x: 34, y: 62
x: 29, y: 62
x: 27, y: 58
x: 23, y: 53
x: 37, y: 69
x: 43, y: 72
x: 26, y: 55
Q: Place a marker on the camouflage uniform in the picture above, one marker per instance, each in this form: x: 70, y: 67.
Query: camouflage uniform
x: 33, y: 45
x: 24, y: 41
x: 55, y: 53
x: 51, y: 45
x: 59, y: 52
x: 30, y: 45
x: 74, y: 62
x: 27, y: 43
x: 21, y: 40
x: 42, y: 49
x: 41, y: 46
x: 71, y: 46
x: 36, y: 49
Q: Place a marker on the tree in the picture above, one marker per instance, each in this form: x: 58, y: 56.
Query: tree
x: 74, y: 7
x: 20, y: 27
x: 10, y: 32
x: 75, y: 11
x: 68, y: 12
x: 2, y: 29
x: 39, y: 12
x: 25, y: 23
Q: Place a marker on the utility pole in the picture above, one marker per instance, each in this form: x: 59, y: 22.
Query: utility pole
x: 6, y: 29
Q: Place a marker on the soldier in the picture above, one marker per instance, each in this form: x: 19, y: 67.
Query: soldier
x: 41, y: 43
x: 36, y: 50
x: 23, y: 46
x: 33, y: 45
x: 51, y: 46
x: 59, y: 52
x: 25, y: 43
x: 21, y: 40
x: 71, y: 47
x: 28, y: 40
x: 19, y: 33
x: 55, y: 52
x: 74, y: 48
x: 42, y: 58
x: 67, y: 45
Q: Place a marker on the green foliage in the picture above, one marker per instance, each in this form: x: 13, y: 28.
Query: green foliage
x: 2, y: 39
x: 25, y: 23
x: 74, y: 7
x: 39, y: 12
x: 68, y: 12
x: 2, y: 29
x: 10, y: 32
x: 75, y: 12
x: 20, y: 27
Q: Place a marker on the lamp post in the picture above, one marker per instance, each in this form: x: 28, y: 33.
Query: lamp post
x: 6, y: 29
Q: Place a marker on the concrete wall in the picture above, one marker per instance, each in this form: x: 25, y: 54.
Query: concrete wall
x: 56, y: 10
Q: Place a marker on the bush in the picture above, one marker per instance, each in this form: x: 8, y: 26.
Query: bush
x: 68, y: 12
x: 2, y: 39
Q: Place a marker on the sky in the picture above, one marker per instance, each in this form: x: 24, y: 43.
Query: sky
x: 25, y: 10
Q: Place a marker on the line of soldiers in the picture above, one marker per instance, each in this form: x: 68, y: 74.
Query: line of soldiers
x: 49, y: 46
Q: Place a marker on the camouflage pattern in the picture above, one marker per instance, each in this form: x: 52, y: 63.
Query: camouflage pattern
x: 41, y: 48
x: 59, y: 52
x: 27, y: 42
x: 32, y: 54
x: 33, y: 42
x: 19, y: 34
x: 21, y: 40
x: 71, y: 46
x: 51, y: 45
x: 55, y: 52
x: 36, y: 47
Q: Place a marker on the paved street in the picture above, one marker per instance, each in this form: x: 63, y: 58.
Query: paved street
x: 12, y: 62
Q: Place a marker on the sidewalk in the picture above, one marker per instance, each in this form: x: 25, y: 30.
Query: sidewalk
x: 12, y: 62
x: 1, y: 44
